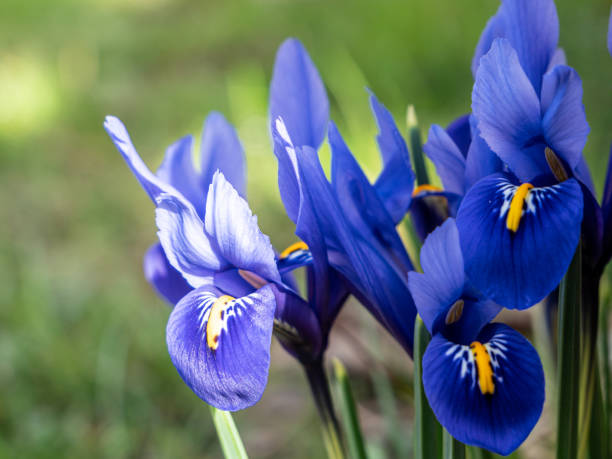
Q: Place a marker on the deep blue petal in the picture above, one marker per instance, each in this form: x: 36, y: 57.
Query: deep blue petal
x: 396, y: 181
x: 508, y: 111
x: 532, y: 28
x: 443, y: 278
x: 500, y: 421
x: 480, y: 161
x: 178, y: 170
x: 233, y: 227
x: 460, y: 131
x: 158, y: 271
x: 564, y: 122
x: 297, y: 95
x: 361, y: 203
x: 429, y: 209
x: 232, y: 375
x: 448, y: 159
x: 518, y: 269
x: 221, y: 150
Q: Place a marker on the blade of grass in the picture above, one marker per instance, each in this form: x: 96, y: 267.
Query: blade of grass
x: 416, y: 147
x: 348, y: 412
x: 452, y: 449
x: 427, y: 430
x: 230, y: 440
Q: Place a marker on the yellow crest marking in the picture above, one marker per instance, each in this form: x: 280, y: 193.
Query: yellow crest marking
x: 516, y: 207
x: 425, y: 187
x: 215, y: 321
x: 293, y: 248
x: 484, y: 368
x: 455, y: 312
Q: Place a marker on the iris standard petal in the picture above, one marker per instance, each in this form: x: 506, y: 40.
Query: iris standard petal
x: 460, y: 131
x: 188, y: 248
x: 518, y: 242
x: 221, y: 150
x: 220, y: 345
x: 288, y: 177
x: 158, y: 271
x: 494, y: 29
x: 153, y: 185
x: 489, y: 394
x: 480, y: 161
x: 443, y: 277
x: 446, y: 156
x: 232, y: 225
x: 297, y: 95
x: 396, y: 181
x: 177, y: 169
x: 508, y: 111
x: 361, y: 203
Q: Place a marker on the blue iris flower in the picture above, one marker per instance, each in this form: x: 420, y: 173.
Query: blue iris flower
x: 484, y: 381
x: 348, y: 225
x: 219, y: 333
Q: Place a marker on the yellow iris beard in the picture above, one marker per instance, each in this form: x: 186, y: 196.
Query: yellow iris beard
x: 215, y: 321
x: 483, y: 365
x: 516, y: 206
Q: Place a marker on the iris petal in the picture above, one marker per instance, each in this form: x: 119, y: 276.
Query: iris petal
x: 158, y: 271
x: 498, y: 421
x: 232, y: 375
x: 221, y: 150
x: 518, y: 269
x: 446, y: 156
x: 288, y: 178
x: 297, y: 95
x: 396, y: 181
x: 232, y: 225
x: 564, y: 122
x: 460, y: 131
x: 480, y: 161
x: 508, y: 111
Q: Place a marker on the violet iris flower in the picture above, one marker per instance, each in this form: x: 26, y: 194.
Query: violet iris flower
x: 484, y: 381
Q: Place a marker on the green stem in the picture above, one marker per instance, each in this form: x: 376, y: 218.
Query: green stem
x: 416, y: 148
x: 427, y: 430
x: 570, y: 300
x: 230, y: 440
x: 453, y: 449
x: 332, y: 436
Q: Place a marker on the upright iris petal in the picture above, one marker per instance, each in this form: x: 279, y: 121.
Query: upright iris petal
x: 220, y: 345
x: 518, y: 240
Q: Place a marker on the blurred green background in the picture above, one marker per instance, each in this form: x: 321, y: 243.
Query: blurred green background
x: 84, y: 370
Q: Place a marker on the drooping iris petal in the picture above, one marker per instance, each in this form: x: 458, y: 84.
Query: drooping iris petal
x: 518, y: 268
x: 564, y: 122
x: 361, y: 203
x: 177, y: 169
x: 508, y: 111
x: 232, y: 225
x: 188, y: 248
x: 220, y: 345
x: 446, y: 156
x: 532, y: 28
x: 460, y: 131
x: 158, y: 271
x: 153, y: 185
x: 221, y: 150
x: 489, y: 395
x: 396, y: 181
x: 443, y: 278
x: 297, y: 95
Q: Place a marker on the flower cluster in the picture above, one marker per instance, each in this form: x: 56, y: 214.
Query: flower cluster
x: 517, y: 199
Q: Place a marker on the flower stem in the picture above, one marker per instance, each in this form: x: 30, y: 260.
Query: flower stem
x: 453, y: 449
x: 319, y: 386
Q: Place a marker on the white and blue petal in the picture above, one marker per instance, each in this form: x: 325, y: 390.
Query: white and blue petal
x: 221, y: 150
x: 517, y: 250
x: 297, y: 95
x: 288, y: 176
x: 233, y: 227
x: 158, y: 271
x: 220, y: 345
x: 564, y: 123
x: 448, y: 159
x: 489, y: 393
x: 396, y: 181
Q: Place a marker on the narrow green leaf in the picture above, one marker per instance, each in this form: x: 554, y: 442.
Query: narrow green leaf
x: 427, y: 430
x: 478, y: 453
x: 598, y: 433
x: 416, y: 147
x: 348, y: 412
x: 452, y: 449
x: 230, y: 440
x: 570, y: 302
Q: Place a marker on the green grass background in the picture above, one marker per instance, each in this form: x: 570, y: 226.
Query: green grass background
x: 84, y: 370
